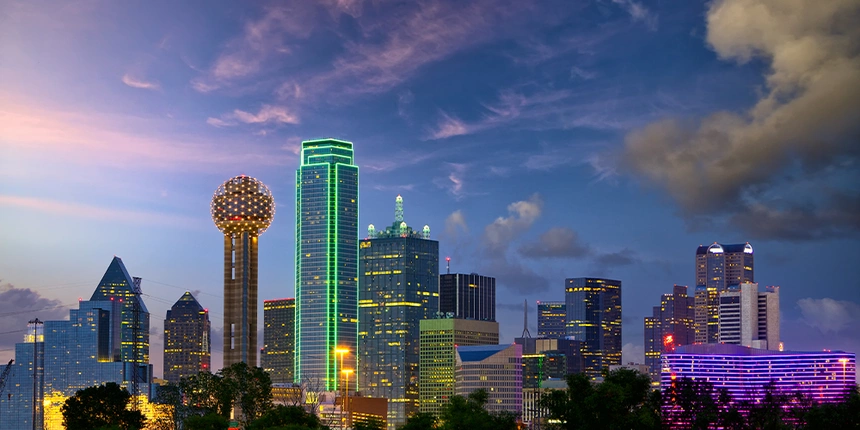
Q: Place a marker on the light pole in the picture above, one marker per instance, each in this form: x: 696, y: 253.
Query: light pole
x: 340, y: 351
x: 346, y: 373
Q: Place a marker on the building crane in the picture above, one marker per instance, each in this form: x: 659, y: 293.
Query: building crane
x: 5, y: 375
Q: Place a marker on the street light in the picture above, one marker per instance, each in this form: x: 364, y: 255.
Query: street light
x: 341, y: 351
x: 346, y: 373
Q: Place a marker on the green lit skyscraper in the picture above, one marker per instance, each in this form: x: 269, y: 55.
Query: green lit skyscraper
x: 326, y: 261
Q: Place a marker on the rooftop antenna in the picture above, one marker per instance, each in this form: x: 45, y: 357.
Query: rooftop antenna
x: 448, y: 264
x: 526, y: 319
x: 398, y: 209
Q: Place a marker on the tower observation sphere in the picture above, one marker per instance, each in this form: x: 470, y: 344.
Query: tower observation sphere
x: 243, y: 204
x: 242, y: 208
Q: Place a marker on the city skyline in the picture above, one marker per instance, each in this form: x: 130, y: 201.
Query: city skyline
x: 528, y: 130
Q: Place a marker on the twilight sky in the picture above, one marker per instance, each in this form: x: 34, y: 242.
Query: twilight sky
x: 539, y: 140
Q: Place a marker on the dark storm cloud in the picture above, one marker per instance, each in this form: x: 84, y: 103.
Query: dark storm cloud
x: 19, y: 305
x: 807, y: 119
x: 625, y: 257
x: 557, y: 242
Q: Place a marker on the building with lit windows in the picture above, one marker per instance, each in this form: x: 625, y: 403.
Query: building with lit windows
x: 398, y: 287
x: 551, y: 319
x: 438, y: 344
x: 671, y: 324
x: 718, y: 268
x: 117, y: 284
x: 494, y: 368
x: 279, y: 334
x: 70, y: 355
x: 593, y: 308
x: 823, y: 376
x: 326, y: 261
x: 242, y: 209
x: 468, y: 296
x: 750, y: 317
x: 187, y: 333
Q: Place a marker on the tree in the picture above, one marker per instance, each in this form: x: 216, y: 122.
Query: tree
x: 420, y: 421
x: 103, y: 406
x: 286, y: 416
x: 206, y: 392
x: 468, y: 413
x: 251, y: 390
x: 210, y: 421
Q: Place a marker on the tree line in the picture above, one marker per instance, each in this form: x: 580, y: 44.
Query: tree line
x: 624, y: 400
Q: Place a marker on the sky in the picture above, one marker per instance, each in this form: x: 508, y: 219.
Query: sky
x: 538, y: 140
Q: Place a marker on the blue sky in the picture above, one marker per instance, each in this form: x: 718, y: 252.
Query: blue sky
x: 538, y: 140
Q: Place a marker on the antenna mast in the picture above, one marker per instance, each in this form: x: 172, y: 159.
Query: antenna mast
x: 526, y: 319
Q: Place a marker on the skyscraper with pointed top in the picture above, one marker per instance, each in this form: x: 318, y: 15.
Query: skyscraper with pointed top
x: 117, y: 284
x: 186, y: 339
x: 326, y: 262
x: 398, y: 287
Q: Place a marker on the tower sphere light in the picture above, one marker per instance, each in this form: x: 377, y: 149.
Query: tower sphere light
x: 242, y: 204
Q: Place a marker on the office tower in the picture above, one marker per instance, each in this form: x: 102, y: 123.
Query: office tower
x: 671, y: 324
x: 718, y: 268
x: 117, y: 284
x: 470, y: 297
x: 326, y: 261
x: 187, y: 331
x: 494, y: 368
x: 549, y: 358
x: 242, y: 208
x: 593, y: 308
x: 398, y: 287
x: 439, y: 340
x: 69, y: 355
x: 824, y: 376
x: 750, y: 318
x: 551, y: 319
x: 279, y: 328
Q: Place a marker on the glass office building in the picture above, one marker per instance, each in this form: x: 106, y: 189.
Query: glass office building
x: 551, y: 319
x: 398, y: 287
x: 468, y: 296
x: 117, y: 284
x: 497, y: 369
x: 326, y: 261
x: 279, y: 334
x: 718, y: 268
x: 594, y: 317
x: 187, y: 347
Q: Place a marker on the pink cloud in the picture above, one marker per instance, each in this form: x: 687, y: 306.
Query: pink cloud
x: 140, y: 83
x: 56, y: 207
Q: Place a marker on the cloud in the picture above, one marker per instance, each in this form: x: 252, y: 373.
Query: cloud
x: 497, y: 239
x: 455, y: 182
x: 449, y: 127
x: 405, y: 99
x: 455, y: 224
x: 267, y: 114
x: 19, y: 305
x: 639, y: 13
x: 633, y: 353
x: 140, y: 83
x: 829, y: 315
x: 557, y: 242
x: 576, y: 72
x: 806, y: 121
x: 625, y: 257
x: 80, y: 210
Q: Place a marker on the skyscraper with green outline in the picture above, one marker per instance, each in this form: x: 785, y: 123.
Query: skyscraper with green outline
x: 326, y: 262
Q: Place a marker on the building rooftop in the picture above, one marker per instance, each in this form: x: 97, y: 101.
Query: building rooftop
x: 478, y: 353
x: 729, y: 349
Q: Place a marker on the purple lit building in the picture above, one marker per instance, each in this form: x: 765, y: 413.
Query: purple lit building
x: 824, y: 376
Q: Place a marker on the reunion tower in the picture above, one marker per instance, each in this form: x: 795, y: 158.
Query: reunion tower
x: 242, y: 209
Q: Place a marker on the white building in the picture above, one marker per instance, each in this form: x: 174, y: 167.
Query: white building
x: 750, y: 318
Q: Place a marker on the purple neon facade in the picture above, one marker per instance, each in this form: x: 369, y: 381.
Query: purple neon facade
x: 824, y: 376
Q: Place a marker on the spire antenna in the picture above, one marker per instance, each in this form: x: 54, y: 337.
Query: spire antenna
x: 398, y: 209
x: 448, y: 264
x: 526, y: 319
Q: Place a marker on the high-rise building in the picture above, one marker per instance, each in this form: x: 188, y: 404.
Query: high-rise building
x: 439, y: 340
x: 58, y: 358
x: 494, y: 368
x: 326, y: 261
x: 398, y: 287
x: 186, y: 339
x: 718, y: 267
x: 551, y: 319
x: 671, y: 324
x: 468, y: 296
x: 749, y: 317
x: 242, y: 208
x: 117, y: 284
x: 279, y: 334
x: 593, y: 308
x: 823, y: 376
